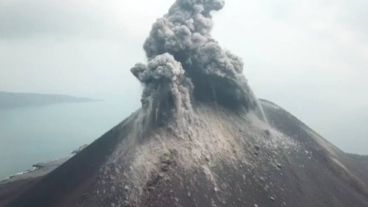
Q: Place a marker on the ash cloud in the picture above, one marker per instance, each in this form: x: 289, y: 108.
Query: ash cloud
x: 166, y: 87
x: 161, y: 68
x: 180, y: 44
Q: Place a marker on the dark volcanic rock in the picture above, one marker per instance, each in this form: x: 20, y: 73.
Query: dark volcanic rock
x: 201, y: 138
x: 214, y: 166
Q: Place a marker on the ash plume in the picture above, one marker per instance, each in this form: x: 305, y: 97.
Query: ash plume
x: 198, y: 139
x: 166, y: 87
x: 180, y: 47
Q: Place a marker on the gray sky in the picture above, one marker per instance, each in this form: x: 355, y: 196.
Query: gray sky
x: 309, y: 56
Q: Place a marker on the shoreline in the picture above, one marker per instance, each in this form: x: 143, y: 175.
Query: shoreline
x: 40, y: 169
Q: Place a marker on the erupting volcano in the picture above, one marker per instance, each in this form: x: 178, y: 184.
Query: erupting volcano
x: 201, y: 138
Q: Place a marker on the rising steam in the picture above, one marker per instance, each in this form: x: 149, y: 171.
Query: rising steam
x: 186, y: 64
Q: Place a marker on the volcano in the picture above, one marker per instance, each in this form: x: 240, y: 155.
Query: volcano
x: 201, y: 138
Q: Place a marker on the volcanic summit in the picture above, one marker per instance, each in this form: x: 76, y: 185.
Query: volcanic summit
x: 201, y: 138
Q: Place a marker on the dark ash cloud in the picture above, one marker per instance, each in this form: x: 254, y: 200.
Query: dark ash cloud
x: 183, y: 36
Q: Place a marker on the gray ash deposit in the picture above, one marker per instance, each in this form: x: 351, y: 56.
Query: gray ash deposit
x: 201, y: 138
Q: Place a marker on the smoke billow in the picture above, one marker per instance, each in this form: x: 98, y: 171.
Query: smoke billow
x: 182, y: 53
x: 166, y: 87
x: 161, y: 68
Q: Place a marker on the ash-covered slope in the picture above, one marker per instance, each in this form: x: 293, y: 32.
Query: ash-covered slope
x: 225, y: 159
x: 201, y: 138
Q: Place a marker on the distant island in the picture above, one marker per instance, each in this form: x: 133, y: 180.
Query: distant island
x: 9, y: 100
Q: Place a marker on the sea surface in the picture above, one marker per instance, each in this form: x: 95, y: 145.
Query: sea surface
x: 29, y: 135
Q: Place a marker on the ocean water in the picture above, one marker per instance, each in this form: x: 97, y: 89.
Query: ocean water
x: 29, y: 135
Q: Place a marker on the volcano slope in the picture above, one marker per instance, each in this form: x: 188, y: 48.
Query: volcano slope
x: 201, y: 138
x: 229, y: 160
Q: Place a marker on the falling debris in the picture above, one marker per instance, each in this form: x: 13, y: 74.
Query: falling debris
x: 201, y: 138
x: 181, y: 40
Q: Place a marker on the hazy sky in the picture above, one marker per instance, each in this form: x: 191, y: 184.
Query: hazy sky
x: 309, y: 56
